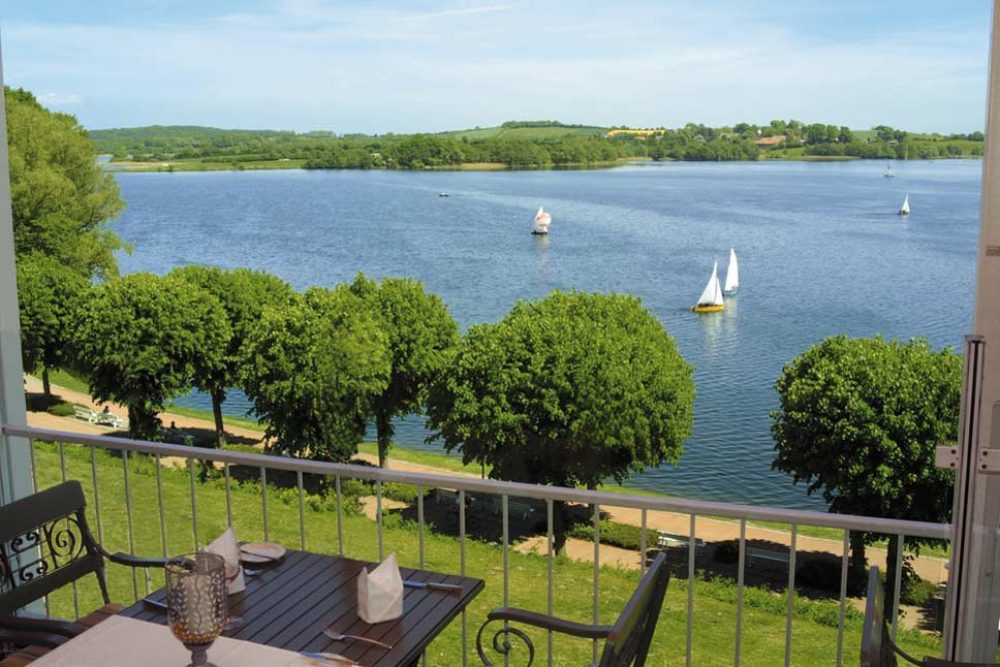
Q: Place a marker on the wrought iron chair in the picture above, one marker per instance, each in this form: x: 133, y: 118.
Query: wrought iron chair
x: 877, y: 647
x: 626, y: 642
x: 45, y: 544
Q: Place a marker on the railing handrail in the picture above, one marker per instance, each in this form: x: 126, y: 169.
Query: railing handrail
x: 519, y: 489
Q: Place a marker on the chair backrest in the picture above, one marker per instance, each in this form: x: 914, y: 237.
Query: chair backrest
x: 876, y: 646
x: 628, y: 642
x: 44, y: 545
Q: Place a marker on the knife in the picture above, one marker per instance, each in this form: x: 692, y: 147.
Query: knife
x: 433, y: 585
x: 329, y: 657
x: 155, y: 604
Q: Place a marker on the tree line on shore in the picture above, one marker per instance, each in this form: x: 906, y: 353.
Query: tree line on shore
x: 572, y: 389
x: 530, y: 145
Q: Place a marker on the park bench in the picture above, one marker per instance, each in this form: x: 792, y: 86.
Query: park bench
x: 667, y: 540
x: 85, y: 414
x: 108, y: 419
x: 756, y: 553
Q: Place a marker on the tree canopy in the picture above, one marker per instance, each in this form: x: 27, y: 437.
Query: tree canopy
x: 141, y: 340
x: 859, y: 420
x: 421, y: 335
x: 60, y: 198
x: 49, y: 293
x: 568, y: 390
x: 243, y: 294
x: 312, y: 370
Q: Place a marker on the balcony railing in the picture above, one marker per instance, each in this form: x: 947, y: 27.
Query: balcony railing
x: 513, y: 502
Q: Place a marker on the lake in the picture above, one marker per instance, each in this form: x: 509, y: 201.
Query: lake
x: 821, y: 252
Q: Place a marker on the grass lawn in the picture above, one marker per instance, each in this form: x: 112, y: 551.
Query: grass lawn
x: 228, y: 420
x: 69, y: 380
x: 814, y: 624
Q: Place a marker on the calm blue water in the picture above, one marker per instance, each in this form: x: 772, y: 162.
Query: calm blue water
x: 821, y: 252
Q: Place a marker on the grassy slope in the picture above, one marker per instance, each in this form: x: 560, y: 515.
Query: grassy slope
x: 524, y: 132
x: 814, y: 625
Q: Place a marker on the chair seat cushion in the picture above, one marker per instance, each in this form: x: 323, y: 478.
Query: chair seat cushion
x: 29, y: 654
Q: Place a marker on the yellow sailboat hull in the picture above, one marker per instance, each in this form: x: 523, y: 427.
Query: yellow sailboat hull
x: 709, y: 308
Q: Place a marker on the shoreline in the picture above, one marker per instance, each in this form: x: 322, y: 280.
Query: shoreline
x: 197, y: 165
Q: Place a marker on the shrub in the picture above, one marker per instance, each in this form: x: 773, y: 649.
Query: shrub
x: 404, y: 493
x: 819, y: 575
x: 613, y: 533
x: 63, y: 409
x: 727, y: 552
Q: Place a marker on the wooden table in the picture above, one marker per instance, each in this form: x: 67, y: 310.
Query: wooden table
x: 288, y: 606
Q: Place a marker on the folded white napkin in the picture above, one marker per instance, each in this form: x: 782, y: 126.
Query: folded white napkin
x: 380, y: 592
x: 225, y: 545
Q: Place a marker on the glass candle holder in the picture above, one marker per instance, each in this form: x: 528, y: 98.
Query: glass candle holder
x: 196, y: 602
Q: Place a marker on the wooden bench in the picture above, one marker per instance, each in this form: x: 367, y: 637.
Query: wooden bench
x: 108, y: 419
x: 756, y: 553
x: 667, y: 540
x: 86, y: 414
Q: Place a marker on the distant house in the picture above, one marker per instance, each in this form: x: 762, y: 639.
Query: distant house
x: 769, y: 142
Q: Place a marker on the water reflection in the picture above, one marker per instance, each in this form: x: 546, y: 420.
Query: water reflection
x: 720, y: 330
x: 541, y: 249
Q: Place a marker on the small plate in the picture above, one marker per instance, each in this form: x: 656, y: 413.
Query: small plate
x: 261, y: 552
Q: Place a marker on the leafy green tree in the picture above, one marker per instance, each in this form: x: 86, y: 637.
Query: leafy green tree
x: 858, y: 422
x: 421, y: 334
x: 142, y: 339
x: 244, y: 294
x: 312, y: 370
x: 49, y: 294
x: 568, y: 390
x: 60, y: 198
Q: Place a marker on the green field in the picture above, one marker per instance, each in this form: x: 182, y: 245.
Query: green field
x: 500, y: 132
x: 813, y: 627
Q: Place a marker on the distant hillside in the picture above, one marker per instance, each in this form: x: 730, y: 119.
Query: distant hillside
x: 532, y: 144
x: 540, y: 129
x: 194, y: 140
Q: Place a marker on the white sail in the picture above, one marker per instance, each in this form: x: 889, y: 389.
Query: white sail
x: 732, y: 273
x: 905, y: 208
x: 712, y: 294
x: 542, y: 221
x: 888, y: 170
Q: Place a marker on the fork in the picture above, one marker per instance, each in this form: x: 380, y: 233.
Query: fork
x: 337, y: 637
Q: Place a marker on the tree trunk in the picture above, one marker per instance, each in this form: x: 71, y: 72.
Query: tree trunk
x: 46, y: 387
x: 142, y: 424
x: 218, y: 396
x: 858, y: 576
x: 558, y: 525
x: 384, y: 427
x: 891, y: 553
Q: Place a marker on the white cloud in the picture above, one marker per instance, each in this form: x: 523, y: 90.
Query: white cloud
x: 378, y: 68
x: 60, y: 99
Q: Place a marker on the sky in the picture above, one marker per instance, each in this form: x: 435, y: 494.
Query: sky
x: 378, y: 67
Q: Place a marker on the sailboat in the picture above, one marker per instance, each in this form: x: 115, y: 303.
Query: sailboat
x: 711, y: 300
x: 888, y: 170
x: 905, y: 208
x: 732, y: 274
x: 542, y: 222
